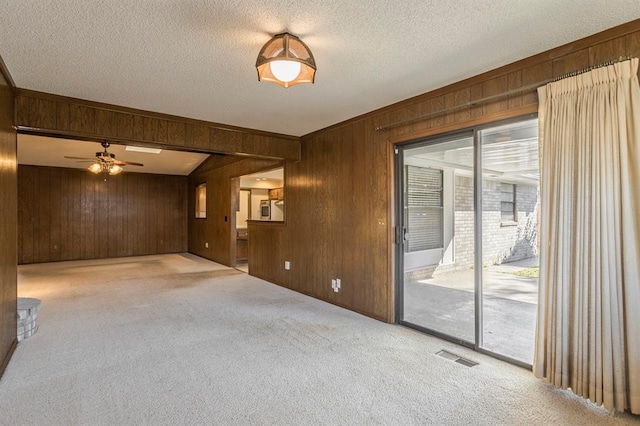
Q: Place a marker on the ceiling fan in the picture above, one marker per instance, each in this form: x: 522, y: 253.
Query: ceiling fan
x: 105, y: 162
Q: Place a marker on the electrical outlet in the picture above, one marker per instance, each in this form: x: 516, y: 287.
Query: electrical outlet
x: 335, y: 285
x: 338, y: 283
x: 287, y: 265
x: 206, y: 245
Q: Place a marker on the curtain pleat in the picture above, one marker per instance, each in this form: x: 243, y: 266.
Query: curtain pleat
x: 588, y: 330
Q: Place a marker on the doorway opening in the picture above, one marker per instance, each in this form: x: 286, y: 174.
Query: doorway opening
x: 260, y: 196
x: 467, y: 254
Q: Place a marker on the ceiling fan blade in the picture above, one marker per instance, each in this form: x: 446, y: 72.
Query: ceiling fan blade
x: 105, y: 158
x: 127, y: 163
x: 79, y: 158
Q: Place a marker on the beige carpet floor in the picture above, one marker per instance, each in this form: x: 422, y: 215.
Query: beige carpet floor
x: 177, y: 340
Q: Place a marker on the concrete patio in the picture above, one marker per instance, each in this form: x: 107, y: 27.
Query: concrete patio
x: 445, y: 303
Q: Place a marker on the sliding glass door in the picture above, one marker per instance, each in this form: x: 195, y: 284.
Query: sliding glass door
x: 510, y: 204
x: 437, y: 208
x: 467, y: 237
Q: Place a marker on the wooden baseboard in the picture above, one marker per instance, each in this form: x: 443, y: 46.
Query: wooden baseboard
x: 7, y: 357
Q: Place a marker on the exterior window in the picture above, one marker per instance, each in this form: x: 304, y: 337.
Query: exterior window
x: 424, y: 208
x: 507, y: 202
x: 201, y: 200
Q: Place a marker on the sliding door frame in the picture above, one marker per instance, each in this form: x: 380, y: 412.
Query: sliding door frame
x: 400, y: 232
x: 401, y: 228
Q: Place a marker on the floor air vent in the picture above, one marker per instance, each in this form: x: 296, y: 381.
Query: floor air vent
x: 456, y: 358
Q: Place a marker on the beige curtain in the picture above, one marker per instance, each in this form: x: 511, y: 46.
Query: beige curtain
x: 588, y: 332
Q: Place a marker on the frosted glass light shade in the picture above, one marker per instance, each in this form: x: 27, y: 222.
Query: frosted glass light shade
x: 283, y: 50
x: 112, y: 169
x: 95, y: 168
x: 285, y: 71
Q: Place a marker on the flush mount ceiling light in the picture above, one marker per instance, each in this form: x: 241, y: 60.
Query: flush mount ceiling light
x: 286, y: 60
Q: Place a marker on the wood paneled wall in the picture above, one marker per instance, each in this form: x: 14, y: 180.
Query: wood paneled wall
x: 8, y: 222
x: 339, y: 218
x: 336, y: 223
x: 69, y: 214
x: 48, y: 114
x: 270, y: 235
x: 218, y: 228
x: 610, y: 45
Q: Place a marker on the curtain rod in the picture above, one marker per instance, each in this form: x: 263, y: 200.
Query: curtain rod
x: 499, y: 95
x: 591, y: 68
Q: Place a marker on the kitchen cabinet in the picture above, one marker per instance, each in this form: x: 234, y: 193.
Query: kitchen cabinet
x: 276, y: 194
x: 242, y: 246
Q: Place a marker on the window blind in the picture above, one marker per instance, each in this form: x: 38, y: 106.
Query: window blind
x: 423, y: 208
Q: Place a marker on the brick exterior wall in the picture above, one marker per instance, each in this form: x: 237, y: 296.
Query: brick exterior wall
x: 463, y: 223
x: 502, y: 242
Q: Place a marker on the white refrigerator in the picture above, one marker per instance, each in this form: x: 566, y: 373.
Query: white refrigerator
x: 277, y: 210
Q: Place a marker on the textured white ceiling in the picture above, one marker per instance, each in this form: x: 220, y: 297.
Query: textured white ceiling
x: 196, y: 58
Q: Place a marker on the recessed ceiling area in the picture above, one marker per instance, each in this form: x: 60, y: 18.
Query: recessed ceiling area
x: 197, y: 59
x: 45, y: 151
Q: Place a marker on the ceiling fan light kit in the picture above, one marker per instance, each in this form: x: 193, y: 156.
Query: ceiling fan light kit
x: 286, y: 60
x: 95, y: 168
x: 105, y: 162
x: 112, y: 169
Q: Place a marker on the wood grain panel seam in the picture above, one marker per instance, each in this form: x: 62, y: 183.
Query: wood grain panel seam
x: 78, y: 198
x: 9, y: 354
